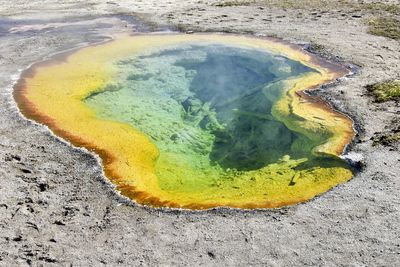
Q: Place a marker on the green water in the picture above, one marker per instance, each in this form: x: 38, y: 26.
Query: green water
x: 206, y: 107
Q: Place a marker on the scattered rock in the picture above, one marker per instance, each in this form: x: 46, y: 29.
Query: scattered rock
x: 12, y: 157
x: 48, y: 259
x: 32, y: 225
x: 58, y: 222
x: 43, y: 185
x: 211, y: 254
x: 18, y: 238
x: 25, y: 170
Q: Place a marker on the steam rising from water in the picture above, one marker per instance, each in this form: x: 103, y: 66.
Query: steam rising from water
x: 196, y: 121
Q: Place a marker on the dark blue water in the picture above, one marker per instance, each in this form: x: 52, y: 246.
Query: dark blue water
x: 242, y: 86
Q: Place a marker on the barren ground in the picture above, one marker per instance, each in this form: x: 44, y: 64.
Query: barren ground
x: 57, y: 209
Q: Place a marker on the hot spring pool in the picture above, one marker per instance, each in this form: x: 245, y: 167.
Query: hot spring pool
x: 196, y: 121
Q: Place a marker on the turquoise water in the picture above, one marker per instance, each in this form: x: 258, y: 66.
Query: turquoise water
x: 206, y: 106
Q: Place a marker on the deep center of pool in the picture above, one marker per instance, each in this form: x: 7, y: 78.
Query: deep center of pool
x: 197, y: 121
x: 210, y: 105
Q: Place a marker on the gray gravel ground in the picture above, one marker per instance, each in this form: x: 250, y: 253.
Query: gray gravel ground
x: 56, y: 209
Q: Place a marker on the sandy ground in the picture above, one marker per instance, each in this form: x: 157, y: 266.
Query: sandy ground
x: 56, y: 209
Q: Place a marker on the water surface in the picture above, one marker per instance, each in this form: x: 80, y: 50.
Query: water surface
x: 199, y: 121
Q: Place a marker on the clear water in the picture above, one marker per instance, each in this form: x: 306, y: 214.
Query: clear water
x: 206, y: 105
x: 196, y: 121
